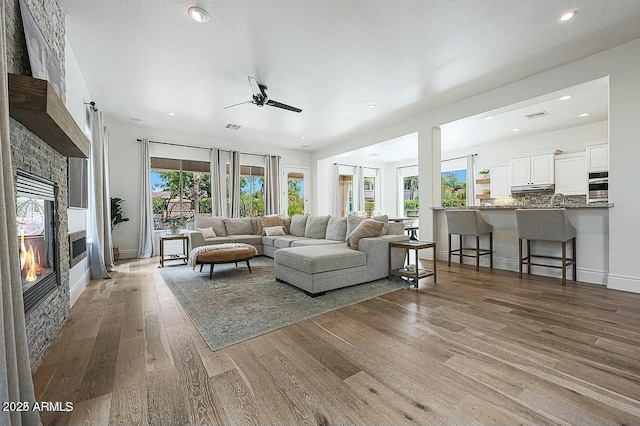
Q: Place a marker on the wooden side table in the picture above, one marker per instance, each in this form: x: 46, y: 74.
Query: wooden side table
x: 419, y: 273
x: 174, y: 237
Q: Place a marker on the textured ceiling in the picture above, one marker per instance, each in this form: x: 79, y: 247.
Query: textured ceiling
x: 332, y: 58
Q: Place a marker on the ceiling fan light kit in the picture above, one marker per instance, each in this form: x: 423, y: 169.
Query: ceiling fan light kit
x: 261, y: 99
x: 198, y: 14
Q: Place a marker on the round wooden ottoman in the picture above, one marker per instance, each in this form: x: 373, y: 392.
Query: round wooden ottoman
x: 225, y: 253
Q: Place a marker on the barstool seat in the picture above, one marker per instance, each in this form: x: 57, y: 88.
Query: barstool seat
x: 546, y: 225
x: 469, y: 223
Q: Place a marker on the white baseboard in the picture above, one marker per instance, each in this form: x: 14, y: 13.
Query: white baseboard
x: 78, y: 287
x: 584, y: 275
x: 129, y: 254
x: 619, y: 282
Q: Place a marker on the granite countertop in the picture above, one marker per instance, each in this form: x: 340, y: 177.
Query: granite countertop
x: 529, y: 206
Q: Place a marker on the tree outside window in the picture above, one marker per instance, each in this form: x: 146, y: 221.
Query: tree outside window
x: 454, y: 188
x: 410, y: 196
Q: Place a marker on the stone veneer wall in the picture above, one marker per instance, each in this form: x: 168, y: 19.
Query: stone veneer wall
x: 31, y: 154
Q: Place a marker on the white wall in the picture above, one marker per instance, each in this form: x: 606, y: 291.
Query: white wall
x: 77, y: 95
x: 125, y: 165
x: 621, y: 65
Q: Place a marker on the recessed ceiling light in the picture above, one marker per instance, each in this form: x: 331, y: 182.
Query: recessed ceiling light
x: 171, y: 113
x: 136, y: 119
x: 516, y: 130
x: 491, y: 117
x: 198, y: 14
x: 375, y: 155
x: 372, y: 106
x: 301, y: 137
x: 586, y: 114
x: 564, y: 98
x: 567, y: 16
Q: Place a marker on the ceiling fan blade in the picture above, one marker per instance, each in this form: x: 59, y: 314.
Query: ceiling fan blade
x: 283, y: 106
x: 255, y: 87
x: 235, y: 105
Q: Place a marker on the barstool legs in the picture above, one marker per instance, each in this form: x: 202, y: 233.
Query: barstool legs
x: 449, y: 262
x: 520, y: 258
x: 477, y: 253
x: 491, y: 248
x: 575, y: 260
x: 460, y: 249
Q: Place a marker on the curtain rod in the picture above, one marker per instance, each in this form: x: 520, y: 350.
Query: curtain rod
x: 201, y: 147
x: 457, y: 158
x: 351, y: 165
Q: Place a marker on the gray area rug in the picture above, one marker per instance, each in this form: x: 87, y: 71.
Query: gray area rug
x: 235, y: 305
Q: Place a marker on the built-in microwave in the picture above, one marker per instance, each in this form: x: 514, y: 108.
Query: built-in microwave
x: 598, y: 190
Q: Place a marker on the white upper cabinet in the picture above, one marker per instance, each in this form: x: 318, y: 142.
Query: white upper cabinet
x: 571, y: 174
x: 533, y: 170
x: 598, y: 157
x: 500, y: 187
x: 521, y: 171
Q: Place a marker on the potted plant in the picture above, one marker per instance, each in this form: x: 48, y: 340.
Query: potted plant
x: 484, y: 173
x: 117, y: 216
x: 174, y: 223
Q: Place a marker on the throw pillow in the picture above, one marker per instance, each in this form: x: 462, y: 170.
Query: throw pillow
x: 274, y: 231
x: 207, y: 232
x: 217, y: 223
x: 238, y: 226
x: 298, y: 224
x: 316, y: 227
x: 352, y: 222
x: 384, y: 219
x: 337, y: 229
x: 267, y: 221
x: 366, y: 229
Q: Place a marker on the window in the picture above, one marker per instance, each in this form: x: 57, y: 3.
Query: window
x: 454, y: 188
x: 295, y: 193
x: 251, y: 191
x: 369, y: 195
x: 180, y: 189
x: 345, y: 191
x: 410, y: 195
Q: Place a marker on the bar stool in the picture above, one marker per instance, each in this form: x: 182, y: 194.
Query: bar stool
x: 469, y: 223
x: 546, y: 225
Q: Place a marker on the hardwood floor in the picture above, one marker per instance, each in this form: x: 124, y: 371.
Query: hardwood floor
x: 477, y: 348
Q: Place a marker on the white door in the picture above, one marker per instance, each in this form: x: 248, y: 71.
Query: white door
x: 521, y: 171
x: 542, y: 169
x: 571, y: 174
x: 295, y: 190
x: 500, y: 182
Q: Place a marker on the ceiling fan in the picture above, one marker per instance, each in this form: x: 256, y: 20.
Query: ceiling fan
x: 260, y: 97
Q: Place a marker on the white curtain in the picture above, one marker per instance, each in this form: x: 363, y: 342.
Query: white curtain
x: 15, y: 371
x: 271, y: 184
x: 217, y: 190
x: 101, y: 253
x: 235, y: 185
x: 145, y: 244
x: 338, y: 207
x: 358, y: 188
x: 471, y: 183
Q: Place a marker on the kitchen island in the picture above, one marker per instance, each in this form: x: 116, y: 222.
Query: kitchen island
x: 590, y: 220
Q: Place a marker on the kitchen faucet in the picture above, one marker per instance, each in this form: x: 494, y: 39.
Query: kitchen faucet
x: 563, y: 199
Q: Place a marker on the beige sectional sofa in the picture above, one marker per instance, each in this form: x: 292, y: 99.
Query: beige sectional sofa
x: 314, y: 256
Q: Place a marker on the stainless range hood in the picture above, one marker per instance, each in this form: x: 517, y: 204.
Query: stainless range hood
x: 525, y: 189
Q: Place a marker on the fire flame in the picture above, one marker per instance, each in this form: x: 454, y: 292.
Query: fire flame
x: 27, y: 261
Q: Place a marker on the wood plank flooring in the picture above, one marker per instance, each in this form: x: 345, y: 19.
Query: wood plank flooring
x: 477, y: 348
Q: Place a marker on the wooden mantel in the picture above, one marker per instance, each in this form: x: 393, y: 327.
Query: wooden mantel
x: 35, y: 104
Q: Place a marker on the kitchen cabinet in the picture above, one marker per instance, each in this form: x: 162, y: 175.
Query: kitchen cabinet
x: 534, y: 170
x: 571, y: 174
x: 500, y: 187
x: 598, y: 157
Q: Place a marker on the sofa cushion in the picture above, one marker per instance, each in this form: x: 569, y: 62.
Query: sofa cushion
x: 254, y: 240
x: 352, y: 223
x: 238, y: 225
x: 298, y: 224
x: 384, y: 219
x: 395, y: 228
x: 207, y: 232
x: 316, y: 226
x: 268, y: 241
x: 217, y: 223
x: 274, y: 231
x: 337, y: 229
x: 254, y: 225
x: 218, y: 240
x: 267, y: 221
x: 316, y: 259
x: 367, y: 228
x: 284, y: 242
x: 314, y: 242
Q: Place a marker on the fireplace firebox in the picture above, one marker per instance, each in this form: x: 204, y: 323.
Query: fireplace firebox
x: 35, y: 211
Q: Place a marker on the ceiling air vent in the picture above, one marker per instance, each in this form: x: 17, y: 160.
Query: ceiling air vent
x: 537, y: 115
x: 233, y: 126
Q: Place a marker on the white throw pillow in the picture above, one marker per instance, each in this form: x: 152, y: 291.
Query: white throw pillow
x: 207, y: 232
x: 274, y: 231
